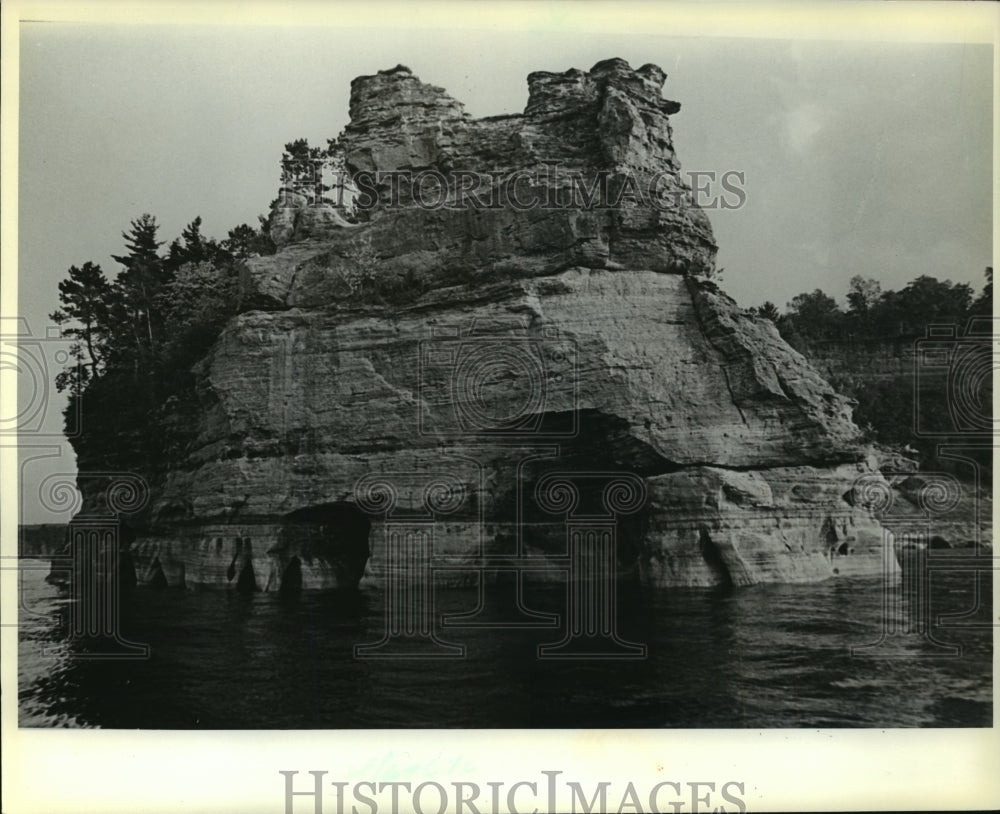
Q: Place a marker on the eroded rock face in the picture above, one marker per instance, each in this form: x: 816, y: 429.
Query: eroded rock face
x: 405, y: 366
x: 711, y: 526
x: 517, y: 189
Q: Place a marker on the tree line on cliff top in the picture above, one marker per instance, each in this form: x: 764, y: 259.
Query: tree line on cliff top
x: 135, y: 336
x: 162, y: 311
x: 821, y: 330
x: 815, y: 317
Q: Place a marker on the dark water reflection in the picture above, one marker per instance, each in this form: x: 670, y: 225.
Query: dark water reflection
x: 759, y: 657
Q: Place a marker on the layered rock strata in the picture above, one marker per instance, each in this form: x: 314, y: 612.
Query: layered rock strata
x: 487, y: 377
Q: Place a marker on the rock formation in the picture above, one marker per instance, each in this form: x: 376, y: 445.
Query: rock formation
x: 530, y: 345
x: 951, y: 496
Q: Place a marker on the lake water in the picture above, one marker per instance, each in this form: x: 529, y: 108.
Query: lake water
x: 760, y: 657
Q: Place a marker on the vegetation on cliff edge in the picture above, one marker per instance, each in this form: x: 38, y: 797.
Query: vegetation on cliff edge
x: 894, y: 321
x: 137, y: 335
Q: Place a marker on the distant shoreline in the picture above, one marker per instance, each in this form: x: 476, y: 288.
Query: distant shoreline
x: 41, y: 541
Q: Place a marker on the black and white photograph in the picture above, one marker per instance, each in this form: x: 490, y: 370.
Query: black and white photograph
x: 375, y: 373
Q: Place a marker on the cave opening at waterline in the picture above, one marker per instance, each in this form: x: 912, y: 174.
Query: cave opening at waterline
x: 333, y: 534
x: 291, y: 578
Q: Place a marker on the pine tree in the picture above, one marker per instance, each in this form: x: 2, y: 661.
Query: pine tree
x: 244, y: 241
x: 193, y: 247
x: 769, y: 311
x: 87, y: 299
x: 141, y: 280
x: 302, y: 170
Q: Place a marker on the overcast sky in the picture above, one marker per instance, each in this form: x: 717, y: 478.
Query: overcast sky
x: 860, y: 158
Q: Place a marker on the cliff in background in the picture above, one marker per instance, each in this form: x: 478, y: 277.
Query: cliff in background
x: 908, y: 406
x: 458, y: 364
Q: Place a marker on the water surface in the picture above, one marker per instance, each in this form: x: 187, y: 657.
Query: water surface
x: 758, y: 657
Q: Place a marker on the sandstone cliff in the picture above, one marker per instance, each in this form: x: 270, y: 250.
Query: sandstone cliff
x: 883, y: 377
x: 407, y: 358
